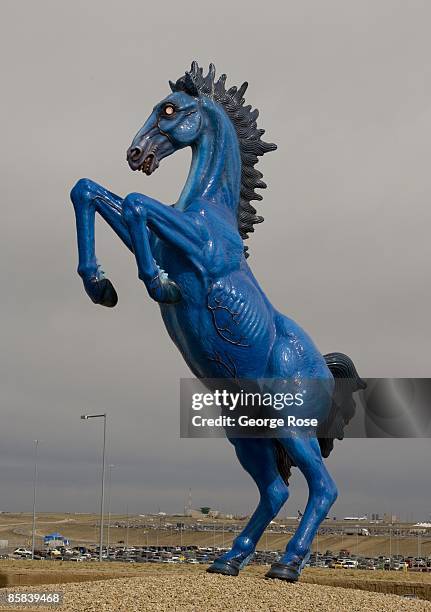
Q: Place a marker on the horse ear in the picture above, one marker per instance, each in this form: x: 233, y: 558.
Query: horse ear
x: 190, y: 85
x: 173, y: 86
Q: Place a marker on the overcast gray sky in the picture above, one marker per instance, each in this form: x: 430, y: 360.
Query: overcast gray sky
x: 344, y: 88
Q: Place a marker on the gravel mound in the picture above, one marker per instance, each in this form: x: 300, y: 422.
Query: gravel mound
x: 215, y: 593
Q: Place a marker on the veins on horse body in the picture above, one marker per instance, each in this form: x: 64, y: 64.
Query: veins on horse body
x: 225, y: 330
x: 230, y: 366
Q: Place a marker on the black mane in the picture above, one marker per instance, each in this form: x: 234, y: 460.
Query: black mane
x: 251, y: 145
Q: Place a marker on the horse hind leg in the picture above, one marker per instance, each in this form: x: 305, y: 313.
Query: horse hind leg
x: 306, y: 454
x: 258, y: 458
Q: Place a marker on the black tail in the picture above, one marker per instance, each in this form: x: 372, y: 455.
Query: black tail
x: 347, y: 381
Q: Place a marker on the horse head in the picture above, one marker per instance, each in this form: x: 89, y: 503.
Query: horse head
x: 222, y: 132
x: 175, y: 122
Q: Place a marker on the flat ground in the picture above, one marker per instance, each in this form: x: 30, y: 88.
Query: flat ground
x: 83, y: 529
x: 123, y: 587
x: 154, y: 587
x: 68, y: 571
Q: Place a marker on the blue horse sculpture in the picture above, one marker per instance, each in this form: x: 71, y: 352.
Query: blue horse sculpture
x: 192, y: 260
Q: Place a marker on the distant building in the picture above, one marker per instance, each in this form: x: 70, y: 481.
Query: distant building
x: 53, y: 540
x: 419, y: 528
x: 356, y: 530
x: 196, y: 514
x: 205, y: 512
x: 389, y: 518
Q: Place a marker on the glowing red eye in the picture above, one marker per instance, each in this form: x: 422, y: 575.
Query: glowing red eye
x: 169, y: 110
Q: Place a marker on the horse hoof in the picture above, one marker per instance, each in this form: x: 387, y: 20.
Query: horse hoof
x: 102, y: 292
x: 227, y: 568
x: 283, y: 571
x: 171, y: 291
x: 165, y: 291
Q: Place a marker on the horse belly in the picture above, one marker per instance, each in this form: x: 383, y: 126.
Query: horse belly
x: 230, y: 335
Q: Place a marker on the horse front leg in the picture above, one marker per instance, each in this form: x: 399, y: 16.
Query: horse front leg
x: 175, y: 228
x: 322, y: 494
x: 87, y: 198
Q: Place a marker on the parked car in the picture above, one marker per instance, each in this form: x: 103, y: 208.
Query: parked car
x: 396, y: 565
x: 23, y: 552
x: 336, y: 565
x: 349, y: 564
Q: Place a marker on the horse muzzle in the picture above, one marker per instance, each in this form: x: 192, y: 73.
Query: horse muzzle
x: 142, y: 159
x: 147, y: 149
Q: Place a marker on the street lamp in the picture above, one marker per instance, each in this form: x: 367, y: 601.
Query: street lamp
x: 127, y: 528
x: 102, y: 496
x: 33, y: 531
x: 110, y: 466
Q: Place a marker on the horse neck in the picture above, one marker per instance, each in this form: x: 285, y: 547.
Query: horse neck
x: 215, y: 171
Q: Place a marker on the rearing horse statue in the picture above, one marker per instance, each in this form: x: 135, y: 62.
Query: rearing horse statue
x: 192, y: 261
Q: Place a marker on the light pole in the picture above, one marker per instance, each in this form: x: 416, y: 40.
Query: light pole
x: 110, y: 466
x: 127, y: 528
x: 33, y: 531
x: 102, y: 496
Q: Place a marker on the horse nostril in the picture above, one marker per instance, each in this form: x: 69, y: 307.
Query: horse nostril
x: 135, y: 153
